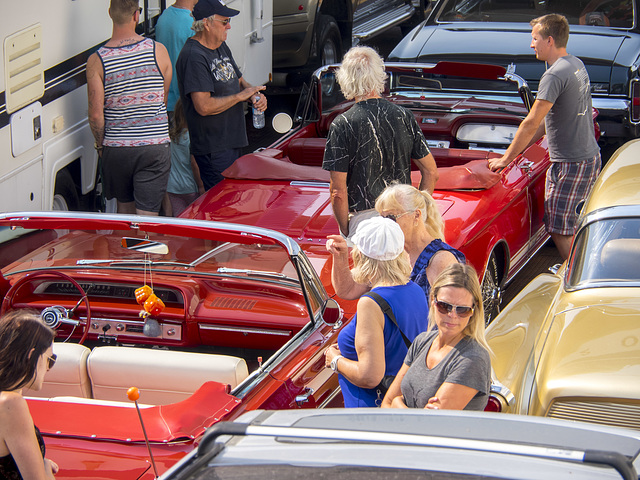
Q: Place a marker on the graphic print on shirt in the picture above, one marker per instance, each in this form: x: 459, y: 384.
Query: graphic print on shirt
x: 583, y: 79
x: 222, y: 69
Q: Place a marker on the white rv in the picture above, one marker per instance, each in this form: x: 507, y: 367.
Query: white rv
x: 47, y: 159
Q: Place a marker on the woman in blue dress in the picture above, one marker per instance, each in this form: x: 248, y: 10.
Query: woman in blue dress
x: 371, y: 346
x: 417, y: 215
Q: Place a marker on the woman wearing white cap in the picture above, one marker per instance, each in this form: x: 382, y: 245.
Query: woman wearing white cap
x: 372, y: 346
x: 417, y: 215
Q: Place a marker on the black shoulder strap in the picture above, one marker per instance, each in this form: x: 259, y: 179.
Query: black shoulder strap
x: 387, y: 309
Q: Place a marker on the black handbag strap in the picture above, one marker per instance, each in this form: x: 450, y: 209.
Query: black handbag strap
x: 384, y: 306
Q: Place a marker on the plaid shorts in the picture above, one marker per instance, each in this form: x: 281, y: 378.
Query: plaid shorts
x: 567, y: 184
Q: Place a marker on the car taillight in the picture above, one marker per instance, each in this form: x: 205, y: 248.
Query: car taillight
x: 493, y: 405
x: 635, y: 101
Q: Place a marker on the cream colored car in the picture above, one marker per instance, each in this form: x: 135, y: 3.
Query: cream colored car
x: 568, y: 346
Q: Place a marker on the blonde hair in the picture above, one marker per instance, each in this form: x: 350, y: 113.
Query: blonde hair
x: 400, y: 196
x: 361, y: 73
x: 368, y: 270
x: 460, y: 275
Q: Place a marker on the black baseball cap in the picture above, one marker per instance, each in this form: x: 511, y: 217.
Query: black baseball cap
x: 208, y: 8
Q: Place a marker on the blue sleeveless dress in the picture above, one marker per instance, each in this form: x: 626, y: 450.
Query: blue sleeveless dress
x: 409, y: 305
x: 419, y: 273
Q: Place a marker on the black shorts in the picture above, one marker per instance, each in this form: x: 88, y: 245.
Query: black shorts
x: 137, y: 174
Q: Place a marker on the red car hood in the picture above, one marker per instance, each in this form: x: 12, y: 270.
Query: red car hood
x: 304, y: 214
x: 278, y: 205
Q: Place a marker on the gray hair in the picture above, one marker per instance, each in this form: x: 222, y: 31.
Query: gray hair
x: 361, y: 73
x: 198, y: 25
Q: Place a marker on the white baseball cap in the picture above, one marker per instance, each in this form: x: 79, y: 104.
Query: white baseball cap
x: 379, y: 238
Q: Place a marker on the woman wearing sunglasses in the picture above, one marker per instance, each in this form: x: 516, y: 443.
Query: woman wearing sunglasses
x: 371, y: 347
x: 417, y: 215
x: 448, y: 368
x: 26, y: 354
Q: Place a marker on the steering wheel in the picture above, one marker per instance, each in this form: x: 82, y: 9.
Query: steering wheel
x: 55, y: 315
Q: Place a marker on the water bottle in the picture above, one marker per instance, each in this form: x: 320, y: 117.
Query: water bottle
x: 258, y: 116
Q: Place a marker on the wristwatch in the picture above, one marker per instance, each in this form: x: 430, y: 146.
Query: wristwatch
x: 334, y: 363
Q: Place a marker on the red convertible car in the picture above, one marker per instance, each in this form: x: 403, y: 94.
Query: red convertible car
x: 468, y: 113
x: 237, y: 317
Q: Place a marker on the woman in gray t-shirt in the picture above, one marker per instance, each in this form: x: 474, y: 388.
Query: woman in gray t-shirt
x: 448, y: 368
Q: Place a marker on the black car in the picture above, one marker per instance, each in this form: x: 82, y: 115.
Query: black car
x: 605, y: 35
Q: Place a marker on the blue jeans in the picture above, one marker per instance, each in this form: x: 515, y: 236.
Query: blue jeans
x: 212, y: 165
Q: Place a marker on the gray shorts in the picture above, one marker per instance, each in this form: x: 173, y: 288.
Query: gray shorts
x: 137, y: 174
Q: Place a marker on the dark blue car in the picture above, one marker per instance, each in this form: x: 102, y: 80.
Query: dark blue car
x: 605, y: 35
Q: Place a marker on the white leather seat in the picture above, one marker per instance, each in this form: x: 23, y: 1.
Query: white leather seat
x: 69, y: 375
x: 162, y: 376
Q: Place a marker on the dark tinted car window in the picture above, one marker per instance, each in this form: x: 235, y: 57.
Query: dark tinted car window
x: 608, y: 13
x: 295, y: 472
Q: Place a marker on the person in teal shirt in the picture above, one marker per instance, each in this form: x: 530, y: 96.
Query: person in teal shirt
x: 172, y: 30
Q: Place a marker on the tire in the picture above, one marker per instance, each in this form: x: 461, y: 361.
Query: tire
x: 329, y: 48
x: 65, y: 196
x: 491, y: 290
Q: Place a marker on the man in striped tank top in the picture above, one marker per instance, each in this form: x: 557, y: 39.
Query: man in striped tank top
x: 127, y: 81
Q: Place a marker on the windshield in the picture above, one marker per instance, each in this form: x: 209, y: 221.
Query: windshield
x: 606, y: 251
x: 117, y: 250
x: 429, y: 87
x: 605, y: 13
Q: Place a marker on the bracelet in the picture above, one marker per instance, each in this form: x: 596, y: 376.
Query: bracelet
x: 97, y: 147
x: 334, y: 363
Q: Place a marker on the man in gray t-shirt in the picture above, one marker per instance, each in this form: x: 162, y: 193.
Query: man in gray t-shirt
x: 564, y: 103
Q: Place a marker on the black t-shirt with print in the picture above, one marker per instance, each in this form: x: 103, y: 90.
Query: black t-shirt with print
x: 373, y: 142
x: 200, y: 69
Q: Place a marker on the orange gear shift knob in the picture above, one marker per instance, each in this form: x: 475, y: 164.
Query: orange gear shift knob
x: 133, y: 394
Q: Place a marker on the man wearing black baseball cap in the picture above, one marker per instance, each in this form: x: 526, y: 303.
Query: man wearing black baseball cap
x: 212, y: 90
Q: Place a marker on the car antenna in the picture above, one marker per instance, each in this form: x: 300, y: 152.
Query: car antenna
x: 134, y: 394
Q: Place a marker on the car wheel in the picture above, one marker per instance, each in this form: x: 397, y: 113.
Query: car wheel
x: 491, y: 291
x: 329, y: 48
x: 65, y: 196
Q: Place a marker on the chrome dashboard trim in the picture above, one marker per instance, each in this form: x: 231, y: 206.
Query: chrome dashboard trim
x: 245, y: 330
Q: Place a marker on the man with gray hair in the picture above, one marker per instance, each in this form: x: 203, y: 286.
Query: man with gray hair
x: 212, y: 90
x: 372, y: 144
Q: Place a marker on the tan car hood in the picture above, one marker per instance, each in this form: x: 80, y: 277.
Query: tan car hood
x: 590, y: 350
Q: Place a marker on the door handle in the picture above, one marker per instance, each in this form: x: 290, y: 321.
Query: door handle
x: 526, y: 166
x: 303, y: 398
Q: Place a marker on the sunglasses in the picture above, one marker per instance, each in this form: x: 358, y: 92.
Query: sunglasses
x: 224, y: 22
x: 395, y: 217
x: 51, y: 361
x: 446, y: 308
x: 139, y: 10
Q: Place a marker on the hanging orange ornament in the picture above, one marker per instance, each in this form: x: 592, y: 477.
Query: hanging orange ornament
x: 153, y: 305
x: 143, y: 293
